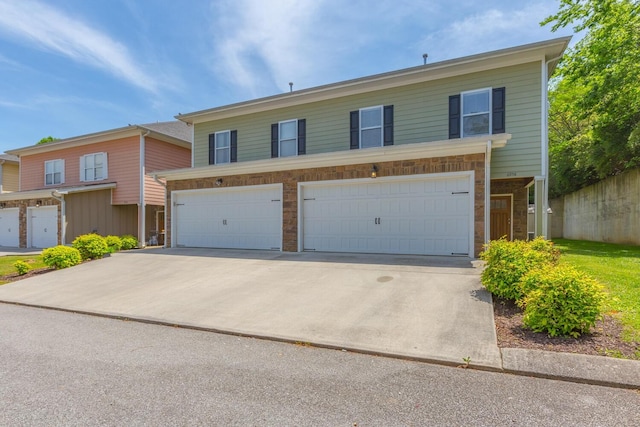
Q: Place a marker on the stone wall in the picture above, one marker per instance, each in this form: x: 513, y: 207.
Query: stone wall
x: 608, y: 211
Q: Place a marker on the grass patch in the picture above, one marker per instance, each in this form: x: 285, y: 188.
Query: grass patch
x: 617, y: 267
x: 7, y: 268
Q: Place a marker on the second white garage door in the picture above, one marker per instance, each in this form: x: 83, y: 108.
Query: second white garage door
x: 237, y: 218
x: 10, y: 227
x: 422, y: 214
x: 42, y: 226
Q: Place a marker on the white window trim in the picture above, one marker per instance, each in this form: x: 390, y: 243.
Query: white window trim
x: 381, y: 127
x: 61, y: 173
x: 462, y: 115
x: 215, y: 146
x: 105, y: 169
x: 280, y: 140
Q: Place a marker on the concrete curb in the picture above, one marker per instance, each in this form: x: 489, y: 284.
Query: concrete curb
x: 579, y: 368
x: 582, y: 368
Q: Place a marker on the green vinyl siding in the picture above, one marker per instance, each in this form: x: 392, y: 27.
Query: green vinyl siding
x: 420, y: 115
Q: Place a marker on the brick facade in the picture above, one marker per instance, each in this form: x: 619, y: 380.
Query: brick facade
x: 290, y: 179
x: 517, y: 187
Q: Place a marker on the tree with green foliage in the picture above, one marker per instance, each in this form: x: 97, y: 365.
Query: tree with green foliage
x: 595, y: 101
x: 47, y: 139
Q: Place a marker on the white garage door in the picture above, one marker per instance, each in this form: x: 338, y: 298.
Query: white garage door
x: 10, y: 227
x: 240, y: 217
x: 413, y: 215
x: 42, y: 223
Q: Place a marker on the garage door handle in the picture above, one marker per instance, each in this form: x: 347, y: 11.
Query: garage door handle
x: 224, y: 222
x: 376, y: 221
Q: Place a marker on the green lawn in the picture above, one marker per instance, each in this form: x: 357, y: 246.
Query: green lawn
x: 6, y: 263
x: 617, y: 267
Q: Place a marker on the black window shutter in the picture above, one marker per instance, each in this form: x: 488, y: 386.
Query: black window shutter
x: 274, y: 140
x: 355, y: 130
x: 302, y: 136
x: 234, y: 147
x: 498, y: 99
x: 388, y: 125
x: 454, y: 116
x: 212, y: 148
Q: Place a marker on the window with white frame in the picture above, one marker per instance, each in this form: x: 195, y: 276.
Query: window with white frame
x: 54, y: 172
x: 371, y: 127
x: 93, y: 167
x: 476, y: 112
x: 223, y: 147
x: 288, y: 138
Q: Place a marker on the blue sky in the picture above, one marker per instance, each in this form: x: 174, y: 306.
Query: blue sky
x: 72, y: 67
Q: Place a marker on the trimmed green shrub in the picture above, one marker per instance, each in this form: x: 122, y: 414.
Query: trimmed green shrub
x: 508, y: 261
x: 21, y: 267
x: 61, y: 257
x: 128, y: 242
x: 561, y: 301
x: 91, y: 246
x: 114, y: 243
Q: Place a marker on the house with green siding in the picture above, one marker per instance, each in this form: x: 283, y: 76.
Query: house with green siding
x: 429, y: 160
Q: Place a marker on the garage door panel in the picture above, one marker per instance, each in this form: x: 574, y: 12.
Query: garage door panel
x: 242, y: 218
x: 417, y: 216
x: 10, y: 227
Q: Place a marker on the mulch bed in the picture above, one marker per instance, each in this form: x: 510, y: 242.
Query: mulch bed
x: 35, y: 272
x: 605, y: 338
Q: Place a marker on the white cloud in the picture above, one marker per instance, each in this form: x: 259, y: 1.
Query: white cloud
x: 52, y: 30
x: 490, y: 30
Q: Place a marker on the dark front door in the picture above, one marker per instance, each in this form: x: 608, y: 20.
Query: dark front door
x: 500, y: 217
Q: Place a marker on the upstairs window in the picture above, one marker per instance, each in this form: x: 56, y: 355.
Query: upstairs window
x: 54, y: 172
x: 223, y: 147
x: 288, y: 138
x: 93, y: 167
x: 372, y: 127
x: 477, y: 112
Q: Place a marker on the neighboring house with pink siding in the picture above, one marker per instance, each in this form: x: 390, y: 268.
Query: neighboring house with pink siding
x: 93, y: 183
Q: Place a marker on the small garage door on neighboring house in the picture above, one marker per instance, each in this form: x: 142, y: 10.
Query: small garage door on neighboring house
x: 426, y: 215
x: 10, y: 227
x: 236, y: 218
x: 42, y: 227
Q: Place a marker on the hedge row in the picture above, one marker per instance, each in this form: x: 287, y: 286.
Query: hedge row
x: 87, y: 246
x: 556, y: 298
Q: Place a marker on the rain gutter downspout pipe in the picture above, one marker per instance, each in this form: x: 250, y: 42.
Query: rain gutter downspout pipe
x: 142, y: 210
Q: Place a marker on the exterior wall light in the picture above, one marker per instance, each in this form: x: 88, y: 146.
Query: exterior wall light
x: 219, y: 182
x: 374, y: 171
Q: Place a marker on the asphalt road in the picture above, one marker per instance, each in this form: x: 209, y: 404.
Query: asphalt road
x: 60, y: 368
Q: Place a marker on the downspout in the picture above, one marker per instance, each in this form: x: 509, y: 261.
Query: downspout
x: 487, y: 192
x: 545, y: 146
x: 1, y: 184
x: 164, y: 185
x: 63, y: 216
x: 142, y: 214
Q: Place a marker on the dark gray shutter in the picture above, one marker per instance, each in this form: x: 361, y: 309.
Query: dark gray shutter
x: 498, y: 99
x: 388, y: 125
x: 454, y: 116
x: 212, y: 148
x: 355, y: 130
x: 233, y: 152
x: 274, y: 140
x: 302, y: 136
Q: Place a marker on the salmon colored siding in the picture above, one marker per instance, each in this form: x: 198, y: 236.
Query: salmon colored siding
x: 123, y: 168
x: 161, y: 155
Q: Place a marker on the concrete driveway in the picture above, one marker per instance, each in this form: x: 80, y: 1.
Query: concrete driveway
x: 428, y: 308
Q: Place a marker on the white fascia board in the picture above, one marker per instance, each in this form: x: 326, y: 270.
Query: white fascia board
x: 42, y: 194
x: 421, y: 150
